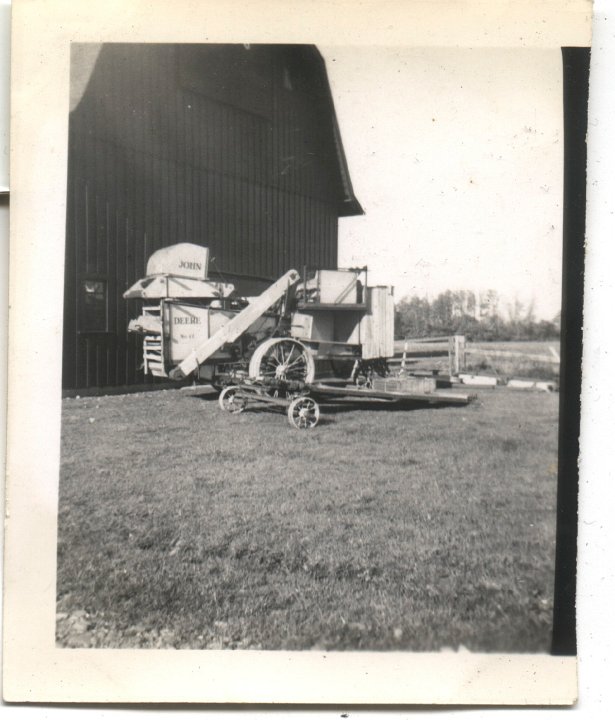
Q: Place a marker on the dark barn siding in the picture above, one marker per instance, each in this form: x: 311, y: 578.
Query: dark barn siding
x: 230, y: 147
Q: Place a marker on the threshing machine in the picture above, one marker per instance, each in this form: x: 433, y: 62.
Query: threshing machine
x: 274, y: 347
x: 195, y: 325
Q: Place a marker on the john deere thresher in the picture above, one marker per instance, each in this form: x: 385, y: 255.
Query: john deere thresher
x: 306, y: 336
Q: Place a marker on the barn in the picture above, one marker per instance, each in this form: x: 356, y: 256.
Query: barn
x: 233, y: 147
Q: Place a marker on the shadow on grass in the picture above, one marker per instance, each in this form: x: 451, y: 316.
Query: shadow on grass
x: 346, y: 406
x: 281, y: 412
x: 330, y: 406
x: 208, y: 397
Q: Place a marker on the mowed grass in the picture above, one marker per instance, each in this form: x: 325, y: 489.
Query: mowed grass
x: 531, y: 347
x: 383, y: 528
x: 525, y: 367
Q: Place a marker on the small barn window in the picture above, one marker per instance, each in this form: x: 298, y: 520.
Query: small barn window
x: 94, y: 306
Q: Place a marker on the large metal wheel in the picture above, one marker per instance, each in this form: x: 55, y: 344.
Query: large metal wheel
x: 303, y: 413
x: 229, y: 401
x: 282, y: 359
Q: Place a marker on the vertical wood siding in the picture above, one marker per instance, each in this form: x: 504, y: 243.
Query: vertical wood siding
x: 223, y: 146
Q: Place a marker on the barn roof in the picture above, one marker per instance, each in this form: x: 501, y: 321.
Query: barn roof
x: 119, y: 105
x: 351, y: 205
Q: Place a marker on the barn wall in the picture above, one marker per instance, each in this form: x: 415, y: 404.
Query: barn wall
x: 219, y: 145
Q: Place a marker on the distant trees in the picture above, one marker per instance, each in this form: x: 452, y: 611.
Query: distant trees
x: 463, y: 312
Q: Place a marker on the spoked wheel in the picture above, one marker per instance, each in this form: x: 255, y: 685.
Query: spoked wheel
x: 282, y: 359
x: 303, y: 413
x: 229, y: 401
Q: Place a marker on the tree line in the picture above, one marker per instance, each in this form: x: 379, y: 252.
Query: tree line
x: 478, y: 317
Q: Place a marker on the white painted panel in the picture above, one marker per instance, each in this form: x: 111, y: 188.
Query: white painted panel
x: 184, y: 259
x: 337, y: 286
x: 301, y: 326
x: 377, y: 326
x: 187, y: 327
x: 318, y: 326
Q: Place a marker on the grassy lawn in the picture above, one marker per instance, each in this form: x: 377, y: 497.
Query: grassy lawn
x: 536, y: 347
x: 382, y: 528
x: 516, y: 367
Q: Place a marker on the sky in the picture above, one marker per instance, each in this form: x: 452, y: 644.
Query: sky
x: 456, y: 156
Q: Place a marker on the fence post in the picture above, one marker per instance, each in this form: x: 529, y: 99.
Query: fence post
x: 460, y: 341
x: 456, y: 354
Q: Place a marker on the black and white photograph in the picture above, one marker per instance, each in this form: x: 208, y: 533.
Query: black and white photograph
x: 321, y: 307
x: 359, y: 458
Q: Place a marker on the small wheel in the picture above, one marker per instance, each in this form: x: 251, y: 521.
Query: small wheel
x: 303, y: 413
x: 229, y: 401
x: 283, y: 359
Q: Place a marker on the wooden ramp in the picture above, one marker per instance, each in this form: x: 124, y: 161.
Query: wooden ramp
x: 351, y: 391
